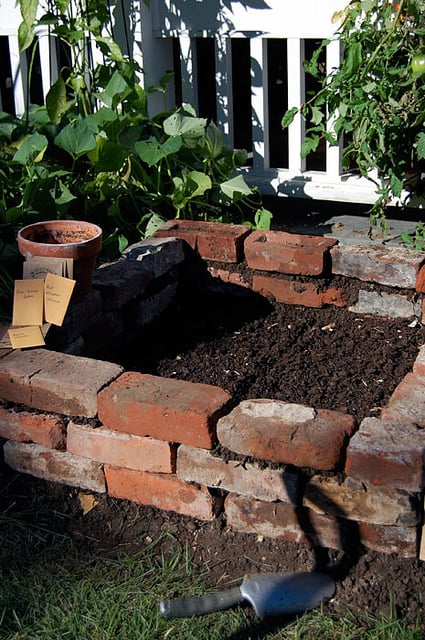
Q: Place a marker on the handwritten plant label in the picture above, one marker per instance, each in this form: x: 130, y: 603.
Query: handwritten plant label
x: 57, y: 294
x: 39, y: 267
x: 28, y: 302
x: 22, y: 337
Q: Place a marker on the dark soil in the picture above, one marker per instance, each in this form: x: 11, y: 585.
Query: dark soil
x: 254, y: 348
x: 327, y: 358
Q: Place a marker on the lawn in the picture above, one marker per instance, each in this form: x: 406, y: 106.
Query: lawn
x: 54, y: 588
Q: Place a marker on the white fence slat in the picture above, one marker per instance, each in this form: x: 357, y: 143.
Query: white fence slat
x: 333, y: 152
x: 19, y: 69
x: 296, y: 95
x: 222, y: 68
x: 48, y: 60
x: 257, y: 101
x: 187, y: 70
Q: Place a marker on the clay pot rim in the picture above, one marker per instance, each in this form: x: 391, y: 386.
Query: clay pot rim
x: 54, y: 223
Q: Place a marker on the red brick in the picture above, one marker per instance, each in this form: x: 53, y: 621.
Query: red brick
x: 161, y: 491
x: 24, y: 426
x: 56, y: 466
x: 56, y: 382
x: 388, y: 454
x: 335, y: 297
x: 306, y: 294
x: 288, y: 291
x: 163, y: 408
x: 283, y: 520
x: 231, y: 277
x: 420, y: 280
x: 264, y: 483
x: 407, y: 403
x: 287, y: 433
x: 212, y: 240
x: 287, y: 252
x: 392, y: 266
x: 121, y: 449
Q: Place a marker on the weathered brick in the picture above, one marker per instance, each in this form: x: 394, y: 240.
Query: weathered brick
x: 162, y: 491
x: 212, y: 240
x: 387, y: 454
x: 24, y: 426
x: 306, y: 294
x: 230, y: 277
x: 419, y: 364
x: 420, y: 280
x: 163, y: 408
x: 121, y: 449
x: 57, y: 466
x: 288, y: 433
x: 392, y: 266
x: 126, y: 279
x: 81, y: 314
x: 104, y: 328
x: 366, y: 503
x: 5, y: 344
x: 287, y: 252
x: 157, y: 255
x: 148, y: 309
x: 334, y: 296
x: 121, y: 281
x: 283, y: 520
x: 53, y: 381
x: 385, y: 304
x: 199, y: 465
x: 389, y: 539
x: 407, y: 403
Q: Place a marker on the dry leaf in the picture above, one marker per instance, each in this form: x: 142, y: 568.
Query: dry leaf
x: 87, y: 502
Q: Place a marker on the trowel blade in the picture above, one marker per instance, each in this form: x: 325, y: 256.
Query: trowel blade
x: 278, y: 594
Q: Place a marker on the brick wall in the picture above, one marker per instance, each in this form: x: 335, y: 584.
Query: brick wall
x: 84, y: 422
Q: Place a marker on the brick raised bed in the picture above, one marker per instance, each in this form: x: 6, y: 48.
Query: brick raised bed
x: 154, y: 438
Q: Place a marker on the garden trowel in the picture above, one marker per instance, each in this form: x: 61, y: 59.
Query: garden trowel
x: 271, y: 594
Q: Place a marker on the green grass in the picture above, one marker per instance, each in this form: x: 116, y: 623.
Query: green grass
x: 52, y: 588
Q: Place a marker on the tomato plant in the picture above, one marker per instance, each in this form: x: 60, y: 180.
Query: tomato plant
x: 375, y: 100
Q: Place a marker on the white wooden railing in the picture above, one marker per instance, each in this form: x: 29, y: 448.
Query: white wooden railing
x: 263, y: 41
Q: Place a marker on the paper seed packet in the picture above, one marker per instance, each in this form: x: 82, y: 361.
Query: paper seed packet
x: 40, y: 301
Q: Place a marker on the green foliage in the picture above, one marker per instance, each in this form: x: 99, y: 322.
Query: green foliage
x: 374, y: 100
x: 93, y: 152
x: 415, y: 240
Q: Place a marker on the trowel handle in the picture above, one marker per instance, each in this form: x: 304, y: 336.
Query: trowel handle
x: 200, y: 605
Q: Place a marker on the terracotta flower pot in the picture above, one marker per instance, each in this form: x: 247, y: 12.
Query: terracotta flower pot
x: 79, y: 240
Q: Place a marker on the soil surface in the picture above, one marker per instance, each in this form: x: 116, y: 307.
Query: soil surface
x: 328, y: 358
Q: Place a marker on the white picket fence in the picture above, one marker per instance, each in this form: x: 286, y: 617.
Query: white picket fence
x: 239, y: 62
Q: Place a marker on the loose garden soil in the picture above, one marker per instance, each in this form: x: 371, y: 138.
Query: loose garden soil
x: 325, y: 358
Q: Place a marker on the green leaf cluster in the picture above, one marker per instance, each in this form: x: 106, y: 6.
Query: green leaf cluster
x: 373, y: 100
x: 93, y: 152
